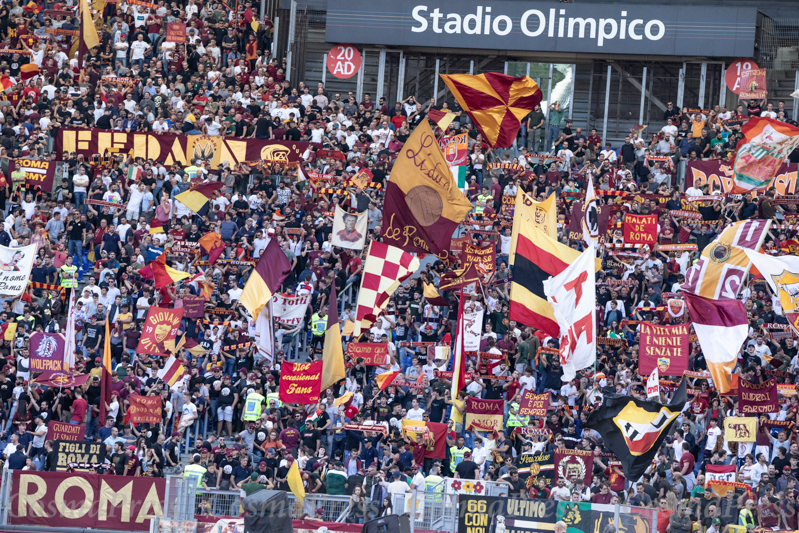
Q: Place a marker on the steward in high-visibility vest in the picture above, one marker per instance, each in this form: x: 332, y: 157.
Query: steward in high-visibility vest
x: 253, y: 406
x: 195, y: 471
x: 456, y: 452
x: 514, y: 420
x: 68, y: 274
x: 318, y: 325
x: 434, y: 483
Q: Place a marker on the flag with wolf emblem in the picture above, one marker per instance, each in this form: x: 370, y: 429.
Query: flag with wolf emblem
x: 634, y: 429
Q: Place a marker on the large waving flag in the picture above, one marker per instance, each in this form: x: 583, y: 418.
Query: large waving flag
x: 768, y: 143
x: 442, y: 118
x: 333, y: 369
x: 213, y: 244
x: 543, y: 215
x: 538, y: 258
x: 721, y: 327
x: 720, y: 271
x: 459, y: 361
x: 782, y: 275
x: 198, y: 195
x: 161, y: 273
x: 635, y: 429
x: 105, y: 376
x: 384, y: 270
x: 496, y: 103
x: 172, y: 372
x: 294, y: 479
x: 273, y: 267
x: 572, y: 295
x: 69, y: 335
x: 89, y: 34
x: 423, y: 205
x: 386, y: 378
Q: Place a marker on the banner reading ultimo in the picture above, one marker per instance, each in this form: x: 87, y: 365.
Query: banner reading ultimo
x: 586, y: 27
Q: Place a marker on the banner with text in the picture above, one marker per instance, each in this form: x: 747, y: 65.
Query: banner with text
x: 533, y: 404
x: 159, y: 330
x: 719, y: 175
x: 491, y: 514
x: 664, y: 347
x: 576, y: 222
x: 485, y: 414
x: 64, y: 431
x: 15, y: 269
x: 289, y: 310
x: 754, y: 399
x: 61, y: 500
x: 535, y: 466
x: 47, y: 352
x: 41, y: 173
x: 372, y: 353
x: 169, y: 148
x: 145, y: 409
x: 175, y: 32
x: 300, y: 383
x: 574, y: 464
x: 78, y: 455
x: 194, y: 306
x: 641, y: 229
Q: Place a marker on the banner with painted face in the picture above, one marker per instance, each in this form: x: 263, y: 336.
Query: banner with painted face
x: 349, y: 229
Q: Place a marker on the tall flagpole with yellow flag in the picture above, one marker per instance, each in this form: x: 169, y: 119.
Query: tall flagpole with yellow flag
x: 87, y: 36
x: 105, y: 376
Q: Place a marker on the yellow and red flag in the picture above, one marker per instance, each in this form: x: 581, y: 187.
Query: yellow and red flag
x: 213, y: 244
x: 495, y: 102
x: 28, y: 71
x: 5, y: 82
x: 198, y: 195
x: 105, y: 375
x: 385, y: 379
x: 161, y: 273
x: 333, y: 369
x: 273, y: 267
x: 442, y: 118
x: 172, y: 372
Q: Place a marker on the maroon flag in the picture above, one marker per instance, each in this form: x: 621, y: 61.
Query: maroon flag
x: 754, y: 399
x: 574, y: 464
x: 664, y: 347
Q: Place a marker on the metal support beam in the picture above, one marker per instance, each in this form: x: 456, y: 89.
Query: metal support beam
x: 401, y: 77
x: 275, y: 33
x: 607, y: 104
x: 528, y: 69
x: 626, y: 76
x: 643, y: 98
x: 796, y: 100
x: 292, y: 29
x: 681, y: 86
x: 702, y: 81
x: 471, y: 66
x: 723, y: 85
x: 571, y: 89
x: 435, y: 80
x: 324, y: 68
x: 506, y: 68
x: 381, y: 75
x: 359, y: 86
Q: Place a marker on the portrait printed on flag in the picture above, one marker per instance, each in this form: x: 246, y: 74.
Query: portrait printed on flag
x: 349, y: 229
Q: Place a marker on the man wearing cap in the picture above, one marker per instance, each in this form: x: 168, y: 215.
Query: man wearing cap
x: 132, y: 464
x: 467, y: 469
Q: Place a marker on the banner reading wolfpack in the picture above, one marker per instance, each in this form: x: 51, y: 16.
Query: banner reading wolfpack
x: 47, y: 352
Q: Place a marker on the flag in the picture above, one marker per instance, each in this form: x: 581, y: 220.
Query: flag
x: 543, y: 215
x: 213, y: 244
x: 172, y: 372
x: 538, y: 257
x: 572, y: 295
x: 385, y: 379
x: 162, y: 274
x: 721, y: 327
x: 294, y: 479
x: 725, y: 473
x: 9, y: 330
x: 5, y: 82
x: 205, y: 289
x: 496, y: 103
x: 653, y: 384
x: 105, y: 375
x: 590, y: 220
x: 273, y: 267
x: 33, y: 7
x: 134, y: 173
x: 423, y: 205
x: 88, y: 31
x: 433, y: 297
x: 385, y: 268
x: 782, y: 275
x: 333, y: 369
x: 459, y: 362
x: 156, y: 226
x: 69, y: 335
x: 28, y: 71
x: 198, y: 195
x: 768, y: 143
x: 442, y: 118
x: 723, y: 265
x: 635, y: 429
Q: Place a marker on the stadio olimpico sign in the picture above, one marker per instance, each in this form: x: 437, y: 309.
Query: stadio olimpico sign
x: 533, y: 26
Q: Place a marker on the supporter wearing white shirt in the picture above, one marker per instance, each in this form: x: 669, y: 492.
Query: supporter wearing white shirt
x: 670, y: 130
x: 415, y: 412
x: 609, y: 154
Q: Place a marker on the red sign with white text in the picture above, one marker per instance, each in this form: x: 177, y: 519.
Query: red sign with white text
x: 343, y: 61
x: 300, y: 383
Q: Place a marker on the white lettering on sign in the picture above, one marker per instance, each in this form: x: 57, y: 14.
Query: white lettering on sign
x: 534, y: 23
x: 343, y: 61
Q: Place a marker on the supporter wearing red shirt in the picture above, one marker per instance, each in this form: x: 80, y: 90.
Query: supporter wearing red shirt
x: 79, y: 408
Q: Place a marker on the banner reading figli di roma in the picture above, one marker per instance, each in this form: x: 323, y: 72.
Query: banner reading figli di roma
x: 300, y: 383
x: 641, y: 229
x: 169, y: 148
x: 70, y: 499
x: 758, y: 398
x: 664, y: 347
x: 485, y: 414
x: 372, y: 353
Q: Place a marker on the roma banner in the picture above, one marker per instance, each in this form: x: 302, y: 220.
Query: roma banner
x: 159, y: 331
x: 533, y: 467
x: 582, y: 517
x: 577, y: 216
x: 78, y: 455
x: 753, y: 84
x: 478, y: 264
x: 641, y: 229
x: 145, y: 409
x: 485, y: 414
x: 756, y: 399
x: 169, y: 148
x: 37, y: 173
x: 47, y: 352
x: 533, y: 404
x: 175, y: 32
x: 15, y: 269
x: 578, y: 464
x: 289, y: 310
x: 665, y: 348
x: 719, y: 175
x: 66, y: 432
x: 61, y: 379
x: 372, y: 353
x: 300, y: 383
x: 455, y: 149
x: 71, y: 499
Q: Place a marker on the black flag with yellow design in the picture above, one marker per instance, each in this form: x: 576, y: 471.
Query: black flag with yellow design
x: 634, y: 429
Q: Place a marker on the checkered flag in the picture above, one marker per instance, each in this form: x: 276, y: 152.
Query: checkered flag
x: 385, y: 269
